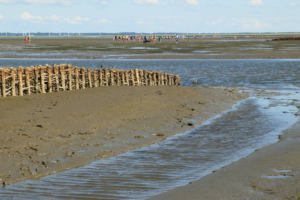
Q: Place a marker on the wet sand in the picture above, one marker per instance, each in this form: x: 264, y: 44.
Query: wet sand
x: 270, y: 173
x: 43, y: 134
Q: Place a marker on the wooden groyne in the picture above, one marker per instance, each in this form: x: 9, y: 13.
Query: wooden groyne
x: 44, y: 79
x: 286, y: 38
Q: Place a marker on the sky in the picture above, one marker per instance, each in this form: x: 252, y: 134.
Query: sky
x: 151, y: 16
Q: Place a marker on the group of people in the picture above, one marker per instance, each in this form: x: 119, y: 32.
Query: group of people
x: 27, y: 40
x: 134, y: 38
x: 145, y: 39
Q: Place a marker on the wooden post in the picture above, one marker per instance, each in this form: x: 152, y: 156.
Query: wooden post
x: 170, y: 79
x: 141, y: 72
x: 27, y: 80
x: 89, y: 76
x: 145, y: 77
x: 100, y: 71
x: 137, y: 76
x: 150, y: 75
x: 96, y: 80
x: 154, y: 78
x: 56, y: 71
x: 3, y: 84
x: 63, y: 78
x: 112, y: 80
x: 106, y: 77
x: 82, y: 71
x: 49, y: 86
x: 13, y: 82
x: 42, y: 71
x: 20, y: 77
x: 70, y: 72
x: 160, y: 78
x: 123, y: 81
x: 118, y: 77
x: 132, y: 77
x: 76, y: 78
x: 36, y: 79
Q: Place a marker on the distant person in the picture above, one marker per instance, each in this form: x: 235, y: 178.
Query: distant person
x: 145, y: 39
x: 177, y: 38
x: 29, y: 40
x: 25, y: 40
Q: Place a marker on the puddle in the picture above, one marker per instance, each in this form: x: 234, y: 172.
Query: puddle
x: 278, y: 177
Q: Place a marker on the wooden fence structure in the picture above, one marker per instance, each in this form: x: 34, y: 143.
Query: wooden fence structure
x: 44, y: 79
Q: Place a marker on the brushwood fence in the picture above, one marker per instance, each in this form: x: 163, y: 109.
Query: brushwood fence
x: 44, y: 79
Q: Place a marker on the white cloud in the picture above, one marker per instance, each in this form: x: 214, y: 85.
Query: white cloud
x: 191, y: 2
x: 104, y: 2
x: 1, y: 17
x: 37, y: 2
x: 142, y: 2
x: 76, y: 20
x: 254, y: 25
x: 102, y: 21
x: 28, y: 16
x: 54, y: 18
x: 292, y: 4
x: 7, y: 1
x: 255, y: 3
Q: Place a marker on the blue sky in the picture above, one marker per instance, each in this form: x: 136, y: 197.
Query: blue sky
x: 189, y: 16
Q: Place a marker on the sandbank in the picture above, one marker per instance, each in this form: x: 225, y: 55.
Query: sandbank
x: 43, y: 134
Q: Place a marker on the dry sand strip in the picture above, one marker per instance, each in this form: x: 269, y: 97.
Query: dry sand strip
x: 271, y: 173
x: 43, y: 134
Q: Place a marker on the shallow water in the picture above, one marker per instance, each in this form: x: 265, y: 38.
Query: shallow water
x: 251, y: 124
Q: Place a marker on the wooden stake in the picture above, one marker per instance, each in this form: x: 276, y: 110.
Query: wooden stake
x: 42, y: 70
x: 77, y: 78
x: 27, y: 80
x: 96, y: 82
x: 3, y: 83
x: 70, y: 73
x: 112, y: 80
x: 100, y: 77
x: 20, y: 77
x: 63, y: 78
x: 89, y: 76
x: 82, y: 71
x: 137, y: 77
x: 36, y: 79
x: 13, y: 82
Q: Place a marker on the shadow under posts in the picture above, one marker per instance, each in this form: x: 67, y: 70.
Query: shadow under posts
x: 45, y: 79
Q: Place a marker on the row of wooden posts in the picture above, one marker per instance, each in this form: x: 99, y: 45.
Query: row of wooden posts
x: 43, y: 79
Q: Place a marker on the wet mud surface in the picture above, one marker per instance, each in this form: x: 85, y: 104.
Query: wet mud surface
x: 193, y: 48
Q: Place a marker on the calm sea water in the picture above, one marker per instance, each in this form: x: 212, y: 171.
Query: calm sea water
x: 251, y: 124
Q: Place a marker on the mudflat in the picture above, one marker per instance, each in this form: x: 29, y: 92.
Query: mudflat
x: 43, y: 134
x: 270, y: 173
x: 258, y: 47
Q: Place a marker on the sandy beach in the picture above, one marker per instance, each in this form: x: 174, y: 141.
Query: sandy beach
x: 43, y: 134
